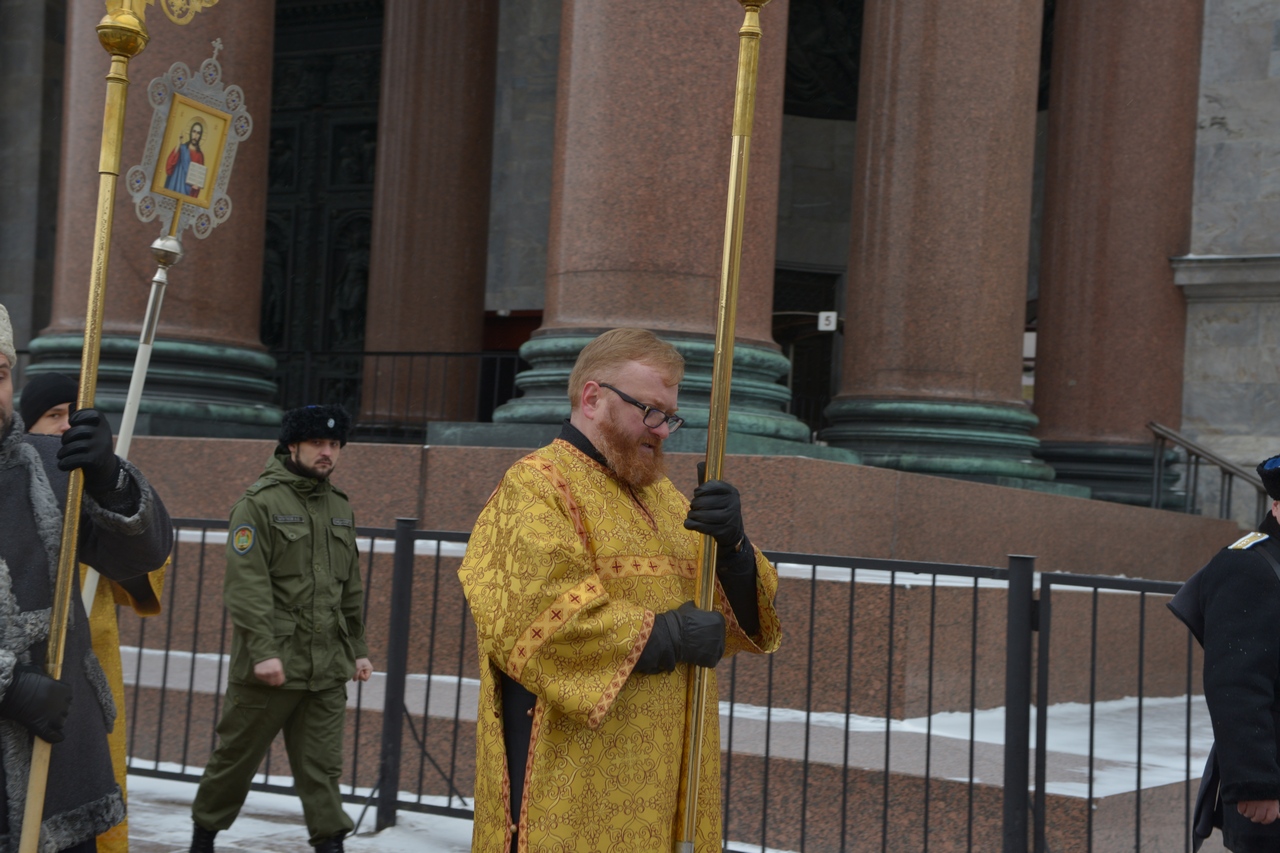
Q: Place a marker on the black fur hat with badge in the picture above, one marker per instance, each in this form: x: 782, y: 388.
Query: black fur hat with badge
x: 308, y: 422
x: 1269, y: 471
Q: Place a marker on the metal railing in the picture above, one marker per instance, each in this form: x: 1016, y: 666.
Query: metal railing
x: 865, y: 682
x: 394, y: 395
x: 187, y: 665
x: 1158, y: 661
x: 896, y: 715
x: 1196, y: 457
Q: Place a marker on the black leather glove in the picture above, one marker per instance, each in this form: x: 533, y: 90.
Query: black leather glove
x: 87, y: 445
x: 716, y: 510
x: 37, y: 701
x: 687, y: 634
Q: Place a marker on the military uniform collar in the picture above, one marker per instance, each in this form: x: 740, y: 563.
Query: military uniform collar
x: 1270, y: 526
x: 279, y: 471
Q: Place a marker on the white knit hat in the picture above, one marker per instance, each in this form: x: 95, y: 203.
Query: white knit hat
x: 6, y: 338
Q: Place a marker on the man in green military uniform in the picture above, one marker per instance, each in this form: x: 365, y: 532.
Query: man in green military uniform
x: 293, y: 590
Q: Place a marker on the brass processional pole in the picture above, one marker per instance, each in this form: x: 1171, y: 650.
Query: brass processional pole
x: 744, y: 107
x: 123, y: 33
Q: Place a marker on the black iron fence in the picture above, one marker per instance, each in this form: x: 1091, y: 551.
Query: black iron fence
x: 1131, y: 676
x: 897, y: 716
x: 397, y: 393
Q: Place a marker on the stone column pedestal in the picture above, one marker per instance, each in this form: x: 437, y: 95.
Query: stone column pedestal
x: 639, y: 189
x: 209, y: 372
x: 937, y: 276
x: 431, y: 211
x: 1118, y: 190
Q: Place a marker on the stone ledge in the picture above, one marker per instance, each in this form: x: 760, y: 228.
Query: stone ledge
x: 1208, y: 278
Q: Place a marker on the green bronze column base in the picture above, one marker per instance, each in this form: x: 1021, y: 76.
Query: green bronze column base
x: 758, y: 420
x: 192, y: 389
x: 968, y: 441
x: 1120, y: 473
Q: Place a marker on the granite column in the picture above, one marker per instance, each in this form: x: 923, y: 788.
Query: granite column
x: 931, y: 379
x: 639, y: 186
x: 1118, y: 192
x: 431, y: 210
x: 209, y: 372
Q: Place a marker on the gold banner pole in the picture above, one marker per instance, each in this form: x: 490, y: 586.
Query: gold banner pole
x: 744, y: 107
x: 123, y: 33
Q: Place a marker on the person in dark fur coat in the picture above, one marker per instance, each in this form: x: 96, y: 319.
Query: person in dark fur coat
x: 125, y: 533
x: 1232, y: 606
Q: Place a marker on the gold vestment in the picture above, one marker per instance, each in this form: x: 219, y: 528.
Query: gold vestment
x: 104, y: 633
x: 564, y: 572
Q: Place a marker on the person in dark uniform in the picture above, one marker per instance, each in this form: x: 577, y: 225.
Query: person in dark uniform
x: 1232, y: 606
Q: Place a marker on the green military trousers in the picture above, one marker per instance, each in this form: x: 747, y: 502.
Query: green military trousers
x: 312, y: 722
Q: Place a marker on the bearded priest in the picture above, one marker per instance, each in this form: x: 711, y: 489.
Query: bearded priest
x: 580, y: 576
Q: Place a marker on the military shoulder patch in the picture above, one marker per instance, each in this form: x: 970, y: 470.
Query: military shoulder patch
x: 242, y: 539
x: 1247, y: 541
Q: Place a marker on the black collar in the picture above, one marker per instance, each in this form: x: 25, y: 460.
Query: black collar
x: 573, y: 435
x: 1270, y: 526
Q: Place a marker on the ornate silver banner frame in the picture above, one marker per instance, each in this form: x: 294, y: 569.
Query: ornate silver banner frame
x: 226, y: 123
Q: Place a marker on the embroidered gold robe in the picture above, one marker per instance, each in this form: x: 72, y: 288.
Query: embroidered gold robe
x: 104, y: 634
x: 564, y: 572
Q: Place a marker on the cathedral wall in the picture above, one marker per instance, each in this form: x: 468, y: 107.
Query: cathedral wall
x: 790, y: 504
x: 1231, y: 397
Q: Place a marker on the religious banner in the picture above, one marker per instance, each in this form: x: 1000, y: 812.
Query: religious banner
x: 194, y: 136
x: 197, y: 124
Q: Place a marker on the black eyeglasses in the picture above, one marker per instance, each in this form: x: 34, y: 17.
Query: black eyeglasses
x: 653, y: 418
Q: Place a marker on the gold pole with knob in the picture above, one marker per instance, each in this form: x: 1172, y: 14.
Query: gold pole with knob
x: 123, y: 33
x: 744, y: 107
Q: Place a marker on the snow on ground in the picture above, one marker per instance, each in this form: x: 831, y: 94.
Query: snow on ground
x: 160, y: 821
x: 160, y: 810
x: 1111, y: 729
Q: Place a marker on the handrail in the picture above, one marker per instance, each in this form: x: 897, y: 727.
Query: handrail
x: 1190, y: 446
x: 1195, y: 453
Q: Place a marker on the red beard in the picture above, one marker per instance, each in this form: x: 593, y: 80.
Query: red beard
x: 631, y: 463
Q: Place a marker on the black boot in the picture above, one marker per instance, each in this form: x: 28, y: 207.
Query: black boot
x: 330, y: 845
x: 202, y: 839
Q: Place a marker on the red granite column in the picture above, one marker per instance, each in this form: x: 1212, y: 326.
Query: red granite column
x: 1121, y: 158
x: 207, y: 348
x: 639, y: 189
x: 431, y: 208
x: 938, y: 255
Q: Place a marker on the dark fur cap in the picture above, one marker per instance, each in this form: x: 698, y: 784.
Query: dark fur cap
x: 1269, y: 471
x: 308, y: 422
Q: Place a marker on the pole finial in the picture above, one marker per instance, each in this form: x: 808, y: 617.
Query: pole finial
x: 122, y: 32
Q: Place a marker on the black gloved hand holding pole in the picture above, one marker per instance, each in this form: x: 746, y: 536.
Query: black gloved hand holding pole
x: 87, y: 445
x: 716, y: 510
x: 37, y: 701
x: 687, y: 634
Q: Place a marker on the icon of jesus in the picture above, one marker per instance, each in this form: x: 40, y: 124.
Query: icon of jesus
x: 185, y: 168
